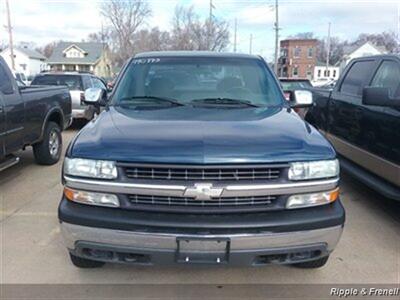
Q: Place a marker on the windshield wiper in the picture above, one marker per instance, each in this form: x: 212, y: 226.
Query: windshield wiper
x: 157, y: 99
x: 223, y: 101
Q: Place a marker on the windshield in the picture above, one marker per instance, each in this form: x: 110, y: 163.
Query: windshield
x: 189, y: 80
x: 73, y: 82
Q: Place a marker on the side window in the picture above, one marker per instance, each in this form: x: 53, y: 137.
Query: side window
x: 98, y: 84
x: 87, y: 82
x: 6, y: 86
x: 355, y: 78
x: 388, y: 76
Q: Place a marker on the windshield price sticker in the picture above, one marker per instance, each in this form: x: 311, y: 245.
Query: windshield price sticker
x: 365, y: 292
x: 143, y: 61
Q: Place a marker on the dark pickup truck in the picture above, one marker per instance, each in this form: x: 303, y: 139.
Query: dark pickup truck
x: 31, y: 116
x: 361, y: 117
x: 198, y: 158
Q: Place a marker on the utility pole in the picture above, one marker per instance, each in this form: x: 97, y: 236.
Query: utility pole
x: 210, y: 16
x: 11, y: 45
x: 328, y: 47
x: 235, y: 37
x: 251, y: 44
x: 276, y: 36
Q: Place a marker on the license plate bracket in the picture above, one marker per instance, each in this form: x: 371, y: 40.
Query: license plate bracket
x: 195, y: 250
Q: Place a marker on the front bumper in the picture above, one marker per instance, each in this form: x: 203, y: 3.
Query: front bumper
x: 283, y: 237
x: 83, y: 113
x: 241, y: 249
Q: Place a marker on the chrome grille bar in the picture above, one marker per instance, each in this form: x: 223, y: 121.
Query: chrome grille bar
x: 201, y: 174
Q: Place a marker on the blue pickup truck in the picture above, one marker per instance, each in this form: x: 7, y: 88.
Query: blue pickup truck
x: 198, y: 158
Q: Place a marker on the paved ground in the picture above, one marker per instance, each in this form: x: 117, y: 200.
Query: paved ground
x: 32, y: 251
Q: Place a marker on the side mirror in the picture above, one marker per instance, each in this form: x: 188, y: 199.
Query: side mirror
x: 378, y: 96
x: 300, y: 98
x: 95, y: 96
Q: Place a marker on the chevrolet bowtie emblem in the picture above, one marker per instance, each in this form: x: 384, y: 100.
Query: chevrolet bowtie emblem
x: 203, y: 191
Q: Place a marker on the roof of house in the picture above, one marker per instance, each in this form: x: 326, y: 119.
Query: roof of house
x: 29, y: 52
x: 352, y: 48
x: 92, y: 50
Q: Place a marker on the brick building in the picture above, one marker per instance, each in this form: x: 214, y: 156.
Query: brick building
x: 298, y: 58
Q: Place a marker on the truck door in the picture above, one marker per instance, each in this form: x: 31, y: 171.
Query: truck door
x: 382, y: 124
x: 2, y: 127
x: 345, y: 106
x: 13, y: 110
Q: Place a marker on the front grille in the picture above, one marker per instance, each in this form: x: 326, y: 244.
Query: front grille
x: 201, y: 174
x: 214, y: 202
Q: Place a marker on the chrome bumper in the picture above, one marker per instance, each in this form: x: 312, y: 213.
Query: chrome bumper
x: 72, y: 234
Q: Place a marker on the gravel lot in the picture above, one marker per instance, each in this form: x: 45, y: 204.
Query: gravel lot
x: 32, y: 250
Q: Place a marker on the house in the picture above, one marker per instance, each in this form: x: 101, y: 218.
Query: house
x: 27, y: 61
x: 322, y: 73
x: 366, y: 49
x: 81, y: 57
x: 298, y: 58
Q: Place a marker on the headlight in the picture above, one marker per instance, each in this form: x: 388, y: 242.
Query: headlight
x: 314, y: 199
x: 90, y: 168
x: 314, y: 169
x: 91, y: 198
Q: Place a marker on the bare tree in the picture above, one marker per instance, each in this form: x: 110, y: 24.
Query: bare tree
x: 47, y: 50
x: 125, y: 17
x: 3, y: 45
x: 303, y: 35
x: 151, y: 40
x: 190, y: 33
x: 337, y: 47
x: 384, y: 39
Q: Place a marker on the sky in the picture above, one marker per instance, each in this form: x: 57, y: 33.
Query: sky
x: 44, y: 21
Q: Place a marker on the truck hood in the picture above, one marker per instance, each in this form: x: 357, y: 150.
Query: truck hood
x: 193, y: 135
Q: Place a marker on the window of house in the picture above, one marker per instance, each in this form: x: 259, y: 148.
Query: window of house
x: 388, y: 76
x: 319, y: 73
x: 334, y: 73
x: 295, y: 71
x: 310, y: 52
x: 296, y: 51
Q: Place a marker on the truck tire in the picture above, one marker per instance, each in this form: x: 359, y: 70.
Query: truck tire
x: 313, y: 264
x: 48, y: 151
x: 85, y: 263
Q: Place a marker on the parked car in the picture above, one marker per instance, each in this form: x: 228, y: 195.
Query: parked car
x: 31, y: 116
x: 361, y: 117
x: 218, y: 172
x: 77, y: 83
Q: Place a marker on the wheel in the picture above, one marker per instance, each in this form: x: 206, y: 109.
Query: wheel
x: 48, y: 151
x: 313, y: 264
x: 85, y: 263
